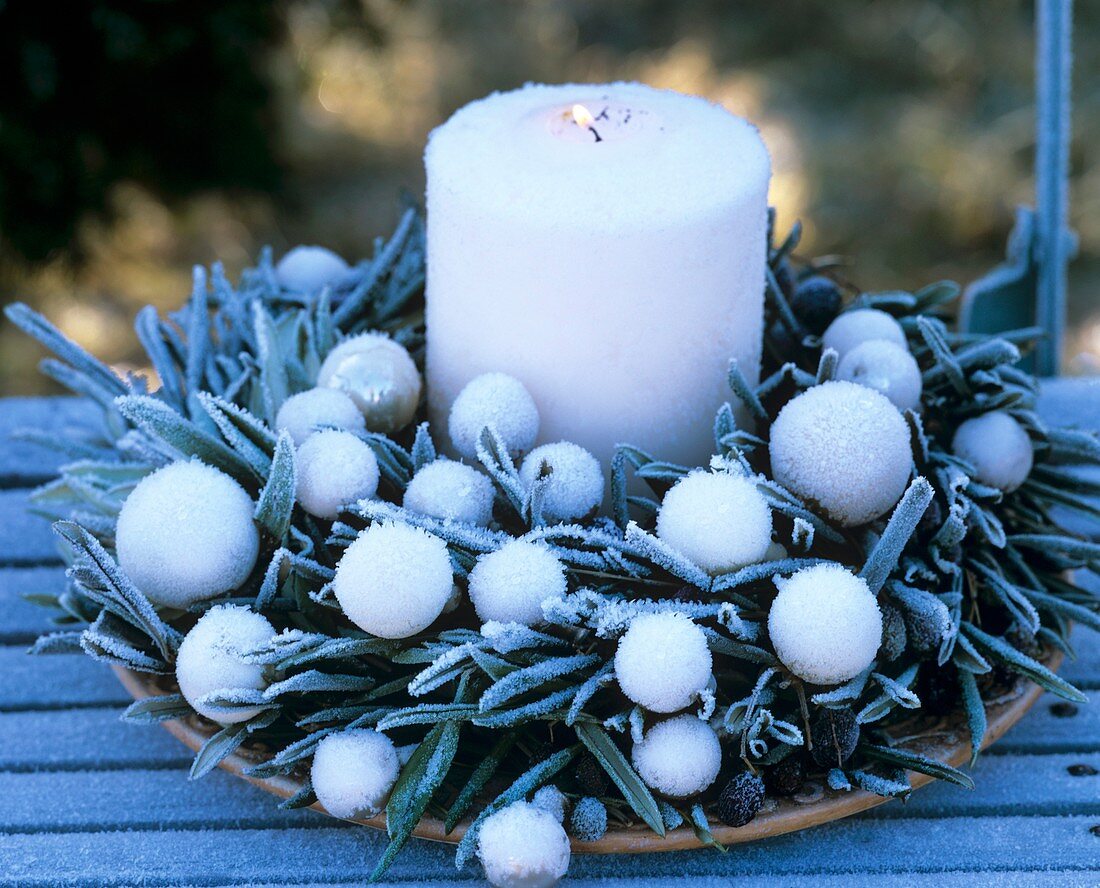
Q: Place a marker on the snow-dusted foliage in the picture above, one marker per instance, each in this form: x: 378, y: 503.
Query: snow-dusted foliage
x: 185, y: 533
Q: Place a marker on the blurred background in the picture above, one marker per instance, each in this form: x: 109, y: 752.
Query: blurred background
x: 138, y: 138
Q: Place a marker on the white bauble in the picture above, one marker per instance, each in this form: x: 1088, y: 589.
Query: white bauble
x: 353, y: 773
x: 576, y: 480
x: 497, y: 400
x: 887, y: 368
x: 394, y: 580
x: 307, y: 269
x: 451, y: 491
x: 185, y: 534
x: 844, y: 448
x: 552, y: 800
x: 210, y: 659
x: 998, y: 447
x: 335, y: 470
x: 510, y: 584
x: 304, y: 413
x: 716, y: 520
x: 825, y: 624
x: 851, y: 328
x: 379, y: 375
x: 679, y: 757
x: 663, y: 661
x: 523, y: 846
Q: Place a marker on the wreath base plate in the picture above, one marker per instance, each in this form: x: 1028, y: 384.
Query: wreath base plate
x: 946, y: 740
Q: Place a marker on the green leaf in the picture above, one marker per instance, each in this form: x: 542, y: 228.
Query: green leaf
x: 916, y: 762
x: 701, y: 825
x: 975, y: 712
x: 1003, y: 652
x: 157, y: 709
x: 482, y: 774
x: 611, y: 759
x: 276, y: 503
x: 420, y: 779
x: 218, y: 748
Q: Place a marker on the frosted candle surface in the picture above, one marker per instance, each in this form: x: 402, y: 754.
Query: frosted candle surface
x: 614, y: 268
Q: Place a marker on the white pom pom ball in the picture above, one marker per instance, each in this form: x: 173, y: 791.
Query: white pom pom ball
x: 825, y: 624
x: 523, y: 846
x: 379, y: 375
x: 510, y: 584
x: 576, y: 480
x: 353, y: 772
x: 662, y: 661
x: 679, y: 757
x: 185, y: 534
x: 851, y: 328
x: 998, y: 448
x: 844, y: 448
x: 552, y: 800
x: 718, y: 521
x: 497, y: 400
x: 307, y: 269
x: 302, y: 414
x: 394, y: 580
x: 451, y: 491
x: 335, y: 469
x: 210, y: 659
x: 887, y: 368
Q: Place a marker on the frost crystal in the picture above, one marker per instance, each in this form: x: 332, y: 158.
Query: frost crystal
x: 510, y: 584
x: 576, y: 482
x: 551, y: 800
x: 394, y: 580
x: 451, y: 491
x: 845, y: 448
x: 335, y: 468
x: 825, y: 624
x: 885, y: 367
x: 307, y: 269
x: 663, y: 662
x: 998, y: 448
x: 353, y: 772
x: 523, y: 846
x: 719, y: 521
x: 497, y: 400
x: 862, y: 325
x: 211, y: 659
x: 185, y: 534
x: 679, y: 757
x: 302, y: 414
x: 588, y: 822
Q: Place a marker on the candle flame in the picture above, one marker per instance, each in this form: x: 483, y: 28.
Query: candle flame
x: 582, y: 116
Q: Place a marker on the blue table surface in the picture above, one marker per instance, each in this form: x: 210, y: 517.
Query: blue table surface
x: 88, y: 800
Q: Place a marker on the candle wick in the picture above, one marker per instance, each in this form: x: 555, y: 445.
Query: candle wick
x: 595, y: 133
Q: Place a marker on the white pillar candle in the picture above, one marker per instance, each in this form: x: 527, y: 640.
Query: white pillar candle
x: 614, y: 265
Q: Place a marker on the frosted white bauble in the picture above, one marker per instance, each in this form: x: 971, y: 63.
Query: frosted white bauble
x: 825, y: 624
x: 394, y: 580
x: 379, y: 375
x: 552, y: 800
x: 576, y: 480
x: 887, y: 368
x: 510, y: 584
x: 451, y: 491
x: 679, y: 757
x: 497, y: 400
x: 844, y: 448
x: 307, y: 269
x: 209, y: 659
x: 663, y: 661
x: 716, y: 520
x: 851, y: 328
x: 353, y: 772
x: 335, y: 470
x: 523, y: 846
x: 185, y: 534
x: 998, y: 448
x: 304, y: 413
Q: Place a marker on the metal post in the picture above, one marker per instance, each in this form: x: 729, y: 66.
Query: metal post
x: 1053, y: 63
